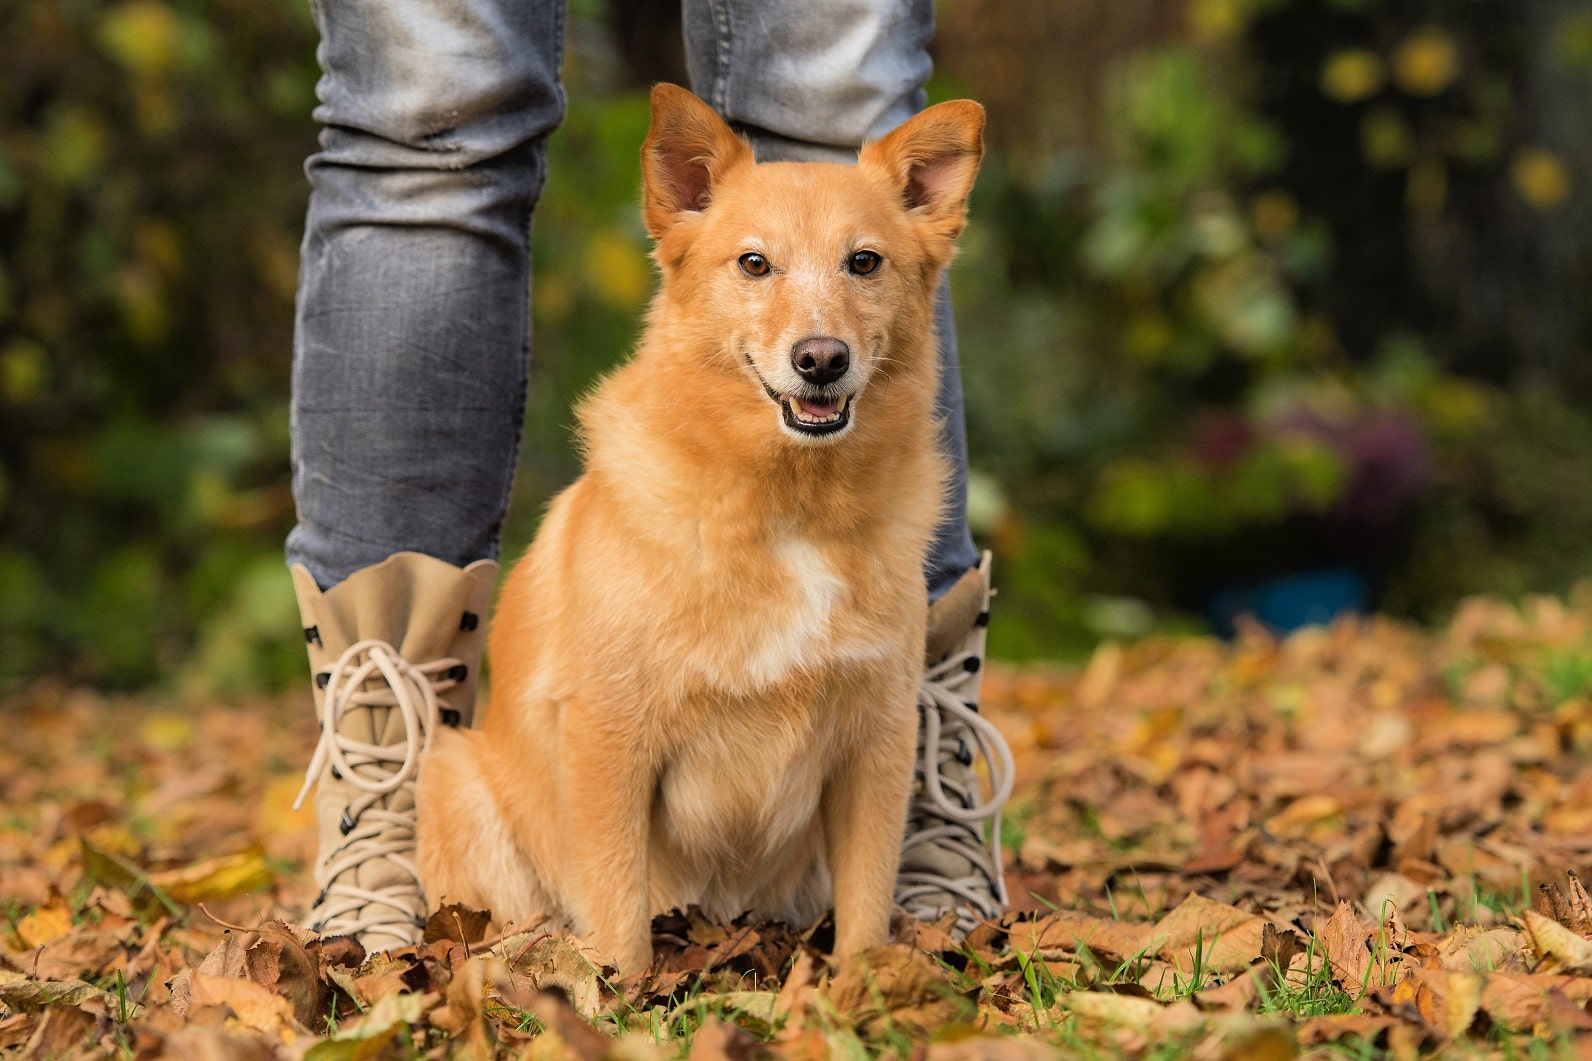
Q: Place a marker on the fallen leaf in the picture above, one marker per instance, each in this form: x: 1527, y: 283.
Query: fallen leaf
x: 457, y: 922
x: 48, y: 922
x: 463, y: 1015
x: 1343, y: 938
x: 1204, y: 934
x: 366, y: 1036
x: 254, y: 1006
x: 216, y: 878
x: 1557, y: 948
x: 554, y: 963
x: 894, y: 985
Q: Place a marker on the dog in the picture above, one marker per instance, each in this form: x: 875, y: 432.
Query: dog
x: 705, y: 668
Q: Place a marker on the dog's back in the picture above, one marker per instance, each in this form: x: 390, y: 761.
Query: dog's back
x: 703, y: 670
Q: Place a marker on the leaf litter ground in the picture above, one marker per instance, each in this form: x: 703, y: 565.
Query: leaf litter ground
x: 1359, y: 841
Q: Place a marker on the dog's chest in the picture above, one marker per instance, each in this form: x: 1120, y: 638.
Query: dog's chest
x: 796, y: 610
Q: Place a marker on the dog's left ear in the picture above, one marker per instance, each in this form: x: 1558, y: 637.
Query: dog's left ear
x: 687, y: 151
x: 932, y: 159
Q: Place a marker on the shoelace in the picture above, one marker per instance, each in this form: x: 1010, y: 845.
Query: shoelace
x: 376, y: 771
x: 949, y: 809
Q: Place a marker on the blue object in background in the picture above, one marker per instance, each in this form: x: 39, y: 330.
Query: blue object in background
x: 1309, y: 598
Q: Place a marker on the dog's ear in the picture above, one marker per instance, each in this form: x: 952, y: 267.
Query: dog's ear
x: 687, y: 151
x: 931, y: 159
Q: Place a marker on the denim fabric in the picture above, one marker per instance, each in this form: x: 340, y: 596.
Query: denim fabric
x: 411, y: 334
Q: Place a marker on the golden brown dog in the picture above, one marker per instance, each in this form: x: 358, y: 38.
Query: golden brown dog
x: 704, y: 670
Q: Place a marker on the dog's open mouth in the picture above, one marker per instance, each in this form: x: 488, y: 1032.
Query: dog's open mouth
x: 810, y: 414
x: 814, y: 416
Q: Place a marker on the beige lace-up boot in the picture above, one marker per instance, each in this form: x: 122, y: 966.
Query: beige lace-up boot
x: 394, y: 649
x: 950, y: 854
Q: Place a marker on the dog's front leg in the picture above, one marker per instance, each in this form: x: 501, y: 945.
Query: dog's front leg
x: 606, y: 788
x: 864, y: 810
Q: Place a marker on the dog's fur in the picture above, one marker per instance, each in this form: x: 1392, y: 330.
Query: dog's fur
x: 704, y: 670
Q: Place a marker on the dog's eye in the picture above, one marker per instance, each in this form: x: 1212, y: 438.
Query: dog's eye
x: 863, y: 262
x: 753, y: 264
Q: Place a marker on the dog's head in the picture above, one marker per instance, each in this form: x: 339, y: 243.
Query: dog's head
x: 807, y: 278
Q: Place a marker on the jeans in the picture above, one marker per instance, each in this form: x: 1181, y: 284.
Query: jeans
x: 411, y: 337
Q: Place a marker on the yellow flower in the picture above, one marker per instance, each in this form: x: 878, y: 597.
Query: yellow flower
x: 1540, y: 177
x: 1426, y: 63
x: 1351, y: 75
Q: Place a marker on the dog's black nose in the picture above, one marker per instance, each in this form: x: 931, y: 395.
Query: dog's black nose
x: 821, y: 360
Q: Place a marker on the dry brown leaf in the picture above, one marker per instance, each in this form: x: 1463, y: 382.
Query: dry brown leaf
x: 895, y: 985
x: 1557, y: 948
x: 1070, y: 932
x: 1206, y: 934
x: 274, y: 956
x: 255, y: 1006
x: 1343, y: 939
x: 463, y: 1015
x: 59, y: 1032
x: 537, y: 962
x: 459, y: 923
x: 27, y: 996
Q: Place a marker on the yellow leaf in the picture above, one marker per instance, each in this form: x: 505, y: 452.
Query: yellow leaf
x: 216, y: 878
x: 1541, y: 177
x: 49, y: 922
x: 1426, y: 62
x: 1351, y: 75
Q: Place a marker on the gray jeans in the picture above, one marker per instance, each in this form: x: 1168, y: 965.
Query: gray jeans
x: 411, y: 337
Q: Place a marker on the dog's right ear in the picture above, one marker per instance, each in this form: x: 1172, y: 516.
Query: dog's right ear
x: 687, y: 151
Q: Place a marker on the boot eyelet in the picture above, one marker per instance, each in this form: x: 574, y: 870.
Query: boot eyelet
x: 312, y: 635
x: 346, y: 823
x: 964, y: 754
x: 337, y: 775
x: 458, y: 672
x: 972, y: 664
x: 450, y: 717
x: 982, y: 620
x: 469, y: 621
x: 323, y: 679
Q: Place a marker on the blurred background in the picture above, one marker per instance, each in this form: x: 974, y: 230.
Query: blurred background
x: 1267, y: 306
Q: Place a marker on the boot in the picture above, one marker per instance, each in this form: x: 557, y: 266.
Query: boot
x: 951, y: 854
x: 394, y: 649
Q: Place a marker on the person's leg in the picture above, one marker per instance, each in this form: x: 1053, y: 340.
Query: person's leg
x: 811, y: 80
x: 409, y: 370
x: 410, y: 344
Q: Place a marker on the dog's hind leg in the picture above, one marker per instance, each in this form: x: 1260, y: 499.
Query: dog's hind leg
x: 466, y: 848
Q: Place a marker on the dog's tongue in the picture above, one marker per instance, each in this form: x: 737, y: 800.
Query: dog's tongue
x: 817, y: 409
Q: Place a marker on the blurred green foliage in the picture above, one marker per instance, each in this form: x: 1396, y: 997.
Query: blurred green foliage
x: 1184, y: 345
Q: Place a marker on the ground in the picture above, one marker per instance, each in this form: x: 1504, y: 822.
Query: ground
x: 1357, y: 841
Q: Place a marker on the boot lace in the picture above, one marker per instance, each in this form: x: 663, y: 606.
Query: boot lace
x: 370, y: 675
x: 947, y: 813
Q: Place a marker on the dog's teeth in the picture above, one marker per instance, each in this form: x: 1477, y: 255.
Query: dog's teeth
x: 840, y: 406
x: 795, y: 407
